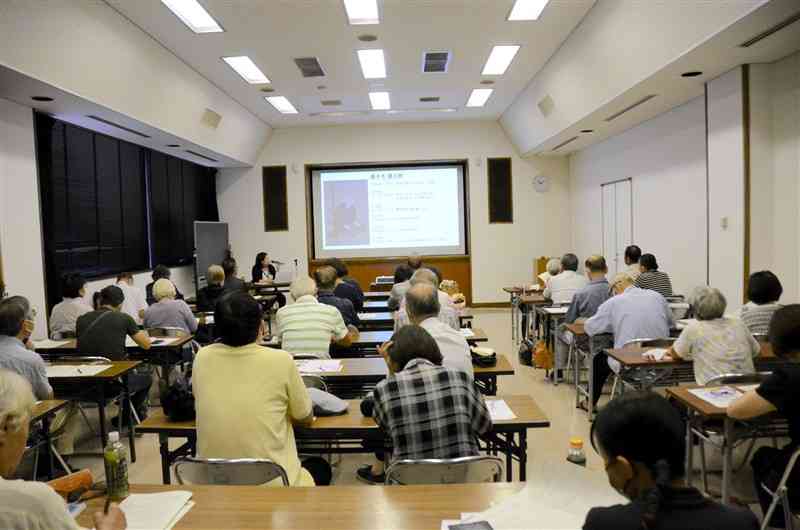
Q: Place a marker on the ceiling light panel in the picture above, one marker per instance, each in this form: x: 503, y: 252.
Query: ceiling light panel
x: 245, y: 67
x: 499, y: 60
x: 380, y: 100
x: 527, y: 9
x: 360, y: 12
x: 372, y: 62
x: 193, y: 15
x: 479, y: 97
x: 281, y: 104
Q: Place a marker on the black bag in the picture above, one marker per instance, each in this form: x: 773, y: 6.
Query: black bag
x: 483, y: 360
x: 526, y: 348
x: 178, y: 401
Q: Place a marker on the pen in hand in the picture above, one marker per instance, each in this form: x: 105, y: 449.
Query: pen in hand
x: 108, y: 503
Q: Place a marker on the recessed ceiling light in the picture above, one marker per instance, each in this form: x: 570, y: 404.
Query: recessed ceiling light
x: 479, y: 97
x: 41, y: 98
x: 246, y: 68
x: 281, y: 104
x: 361, y: 12
x: 587, y: 131
x: 380, y: 100
x: 693, y: 73
x: 527, y: 9
x: 372, y: 64
x: 193, y: 15
x: 367, y: 38
x: 499, y: 60
x: 173, y: 145
x: 487, y: 82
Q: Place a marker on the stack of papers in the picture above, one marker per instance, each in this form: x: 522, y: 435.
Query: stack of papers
x: 719, y: 397
x: 74, y: 370
x: 558, y: 310
x: 311, y: 366
x: 656, y: 354
x: 156, y: 511
x: 47, y: 344
x: 499, y: 410
x: 467, y: 332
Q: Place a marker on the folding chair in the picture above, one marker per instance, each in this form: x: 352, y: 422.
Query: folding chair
x: 228, y: 472
x: 468, y: 469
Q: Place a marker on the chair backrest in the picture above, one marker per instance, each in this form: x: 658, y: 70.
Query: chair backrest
x: 314, y: 381
x: 651, y: 343
x: 167, y: 331
x: 75, y: 359
x: 738, y: 379
x: 761, y: 337
x: 219, y: 471
x: 463, y: 470
x: 309, y: 356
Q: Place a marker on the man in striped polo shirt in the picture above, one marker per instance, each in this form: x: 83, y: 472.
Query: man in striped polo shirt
x: 308, y: 326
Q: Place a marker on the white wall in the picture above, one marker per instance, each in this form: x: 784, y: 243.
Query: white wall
x: 665, y: 158
x: 88, y: 49
x: 501, y: 254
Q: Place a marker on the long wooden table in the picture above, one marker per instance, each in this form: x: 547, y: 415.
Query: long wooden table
x: 376, y: 295
x: 332, y: 508
x: 350, y: 430
x: 381, y: 320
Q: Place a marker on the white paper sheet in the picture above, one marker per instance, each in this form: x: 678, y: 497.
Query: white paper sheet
x: 159, y: 341
x: 719, y: 397
x: 209, y: 320
x: 499, y: 410
x: 655, y: 353
x: 467, y: 332
x: 74, y: 370
x: 47, y: 344
x: 155, y: 511
x: 310, y: 366
x: 560, y: 310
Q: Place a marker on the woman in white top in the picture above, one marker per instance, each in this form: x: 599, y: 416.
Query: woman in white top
x: 716, y: 344
x: 28, y: 505
x: 65, y: 313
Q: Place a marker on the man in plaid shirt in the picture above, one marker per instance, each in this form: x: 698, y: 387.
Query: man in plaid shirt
x: 426, y: 410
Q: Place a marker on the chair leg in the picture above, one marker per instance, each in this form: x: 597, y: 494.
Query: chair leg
x: 614, y: 386
x: 87, y: 422
x: 35, y: 462
x: 703, y: 469
x: 60, y: 459
x: 746, y: 456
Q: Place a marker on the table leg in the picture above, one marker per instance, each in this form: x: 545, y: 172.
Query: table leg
x: 513, y: 319
x: 101, y: 414
x: 128, y: 405
x: 727, y: 460
x: 509, y: 450
x: 523, y: 455
x: 48, y: 444
x: 689, y: 451
x: 163, y: 445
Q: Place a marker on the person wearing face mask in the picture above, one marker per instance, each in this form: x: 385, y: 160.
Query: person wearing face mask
x: 641, y: 439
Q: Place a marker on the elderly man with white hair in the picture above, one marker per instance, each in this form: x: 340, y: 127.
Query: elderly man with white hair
x: 168, y: 312
x: 630, y: 314
x: 24, y: 504
x: 447, y: 312
x: 308, y: 326
x: 717, y: 345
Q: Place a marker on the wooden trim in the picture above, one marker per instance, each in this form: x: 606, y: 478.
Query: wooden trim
x: 747, y: 182
x: 285, y: 220
x: 424, y: 258
x: 485, y: 305
x: 309, y: 168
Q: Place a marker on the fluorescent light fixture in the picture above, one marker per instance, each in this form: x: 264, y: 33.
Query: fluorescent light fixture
x: 380, y: 100
x: 372, y: 64
x: 193, y: 15
x: 527, y: 9
x: 246, y: 68
x: 361, y: 12
x: 499, y: 60
x: 281, y: 104
x: 479, y: 97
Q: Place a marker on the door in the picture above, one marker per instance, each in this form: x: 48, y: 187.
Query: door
x: 617, y: 223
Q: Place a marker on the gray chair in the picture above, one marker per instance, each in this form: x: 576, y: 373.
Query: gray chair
x: 220, y: 471
x: 468, y: 469
x: 314, y: 381
x: 781, y: 495
x: 738, y: 379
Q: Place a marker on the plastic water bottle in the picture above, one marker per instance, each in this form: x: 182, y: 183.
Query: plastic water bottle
x: 115, y: 458
x: 576, y: 454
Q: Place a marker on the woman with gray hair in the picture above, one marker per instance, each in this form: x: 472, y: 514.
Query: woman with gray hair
x: 24, y: 504
x: 716, y: 344
x: 168, y: 312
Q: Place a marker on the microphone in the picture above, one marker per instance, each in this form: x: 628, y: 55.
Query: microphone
x: 276, y: 262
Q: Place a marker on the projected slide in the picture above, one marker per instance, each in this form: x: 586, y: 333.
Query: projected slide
x: 393, y: 208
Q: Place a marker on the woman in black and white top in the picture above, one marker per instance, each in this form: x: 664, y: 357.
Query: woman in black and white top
x: 652, y: 278
x: 764, y: 289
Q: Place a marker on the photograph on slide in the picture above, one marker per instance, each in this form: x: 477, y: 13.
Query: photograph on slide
x: 346, y: 212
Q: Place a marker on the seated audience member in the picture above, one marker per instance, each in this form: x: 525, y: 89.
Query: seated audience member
x: 347, y: 287
x: 247, y: 396
x: 265, y: 272
x: 764, y: 289
x: 28, y: 505
x: 641, y: 438
x: 564, y: 285
x: 426, y: 409
x: 716, y: 345
x: 66, y: 312
x: 552, y: 268
x: 422, y: 306
x: 414, y: 261
x: 632, y: 313
x: 447, y: 312
x: 168, y: 312
x: 135, y: 302
x: 651, y: 278
x: 103, y: 332
x: 779, y: 392
x: 207, y: 296
x: 326, y: 282
x: 161, y: 271
x: 632, y: 256
x: 233, y: 284
x: 402, y: 277
x: 307, y: 326
x: 584, y: 305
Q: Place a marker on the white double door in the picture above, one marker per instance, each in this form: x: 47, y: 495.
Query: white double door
x: 617, y: 223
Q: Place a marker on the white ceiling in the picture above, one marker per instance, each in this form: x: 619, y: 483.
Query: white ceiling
x: 274, y: 32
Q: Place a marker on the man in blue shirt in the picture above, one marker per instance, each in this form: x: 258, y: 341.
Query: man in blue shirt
x: 632, y: 313
x: 326, y: 283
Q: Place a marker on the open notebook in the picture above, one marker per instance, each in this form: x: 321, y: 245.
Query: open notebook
x: 156, y: 511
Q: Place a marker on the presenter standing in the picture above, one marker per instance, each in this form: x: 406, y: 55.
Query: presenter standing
x: 264, y: 272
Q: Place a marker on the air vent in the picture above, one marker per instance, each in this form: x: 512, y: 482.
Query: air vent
x: 546, y: 106
x: 198, y: 155
x: 117, y: 125
x: 565, y: 142
x: 774, y: 29
x: 331, y: 102
x: 429, y: 99
x: 630, y: 107
x: 435, y: 62
x: 309, y: 67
